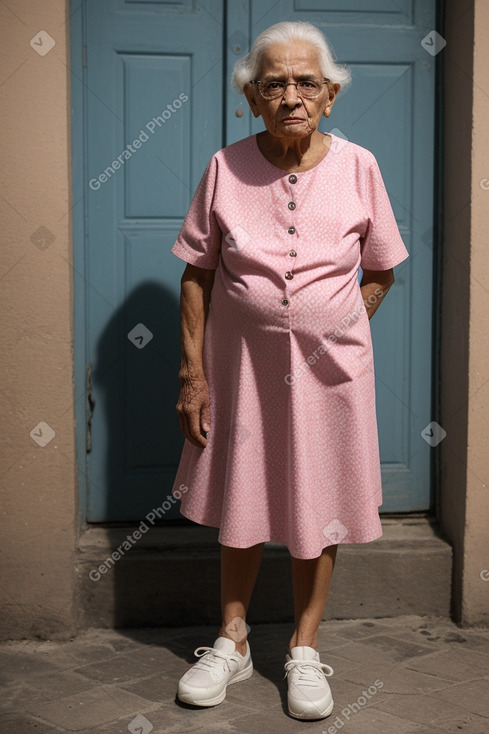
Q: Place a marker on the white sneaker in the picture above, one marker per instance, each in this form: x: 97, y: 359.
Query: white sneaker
x: 204, y: 684
x: 309, y: 695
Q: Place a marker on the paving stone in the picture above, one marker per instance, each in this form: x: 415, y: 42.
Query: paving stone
x: 341, y: 666
x: 475, y: 639
x: 164, y: 721
x: 347, y: 695
x: 90, y: 652
x: 114, y: 639
x: 452, y: 663
x: 274, y: 719
x: 465, y: 725
x: 44, y: 688
x: 358, y: 653
x: 54, y: 653
x: 155, y: 688
x: 369, y: 720
x: 117, y: 669
x: 20, y: 724
x: 397, y: 678
x: 435, y: 675
x: 164, y: 659
x: 91, y: 708
x: 18, y: 664
x: 362, y: 629
x: 472, y: 696
x: 423, y: 709
x: 332, y: 641
x: 182, y: 648
x: 261, y: 694
x: 439, y: 636
x: 398, y: 648
x: 177, y: 718
x: 155, y: 635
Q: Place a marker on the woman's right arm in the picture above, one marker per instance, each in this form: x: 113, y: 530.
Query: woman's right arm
x: 193, y: 405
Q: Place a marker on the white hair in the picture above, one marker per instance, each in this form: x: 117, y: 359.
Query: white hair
x: 246, y: 69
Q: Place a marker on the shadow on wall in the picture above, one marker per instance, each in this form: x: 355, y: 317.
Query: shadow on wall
x: 136, y: 446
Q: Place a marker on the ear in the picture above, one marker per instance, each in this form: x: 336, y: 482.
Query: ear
x: 251, y: 93
x: 333, y: 91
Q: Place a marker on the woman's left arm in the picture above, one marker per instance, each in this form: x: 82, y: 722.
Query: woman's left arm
x: 374, y: 286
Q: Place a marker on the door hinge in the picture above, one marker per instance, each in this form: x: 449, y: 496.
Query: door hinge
x: 90, y: 407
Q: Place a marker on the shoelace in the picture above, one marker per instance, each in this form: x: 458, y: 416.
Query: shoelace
x: 310, y: 671
x: 211, y: 653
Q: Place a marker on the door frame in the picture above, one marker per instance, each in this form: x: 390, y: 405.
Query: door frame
x: 79, y: 213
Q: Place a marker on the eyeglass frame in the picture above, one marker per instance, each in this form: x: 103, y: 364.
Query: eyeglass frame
x: 287, y: 84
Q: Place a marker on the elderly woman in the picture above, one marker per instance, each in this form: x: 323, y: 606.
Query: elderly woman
x: 277, y: 401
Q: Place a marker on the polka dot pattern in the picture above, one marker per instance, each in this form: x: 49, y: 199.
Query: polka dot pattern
x: 292, y: 455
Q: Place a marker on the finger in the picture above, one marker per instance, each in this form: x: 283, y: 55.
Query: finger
x: 195, y: 434
x: 205, y: 417
x: 185, y: 428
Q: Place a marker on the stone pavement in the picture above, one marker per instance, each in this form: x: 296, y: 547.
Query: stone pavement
x: 394, y: 675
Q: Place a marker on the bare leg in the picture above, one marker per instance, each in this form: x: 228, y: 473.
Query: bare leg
x: 311, y: 579
x: 239, y: 570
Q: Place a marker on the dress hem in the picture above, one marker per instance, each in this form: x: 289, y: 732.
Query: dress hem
x: 370, y: 539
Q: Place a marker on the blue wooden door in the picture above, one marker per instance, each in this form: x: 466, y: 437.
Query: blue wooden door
x: 154, y: 103
x: 390, y: 110
x: 158, y: 73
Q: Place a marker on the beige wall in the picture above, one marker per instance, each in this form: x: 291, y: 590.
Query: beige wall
x: 38, y: 505
x: 464, y: 501
x: 38, y: 509
x: 475, y: 590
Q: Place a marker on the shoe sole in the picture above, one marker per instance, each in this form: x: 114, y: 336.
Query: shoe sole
x: 188, y: 698
x: 309, y: 715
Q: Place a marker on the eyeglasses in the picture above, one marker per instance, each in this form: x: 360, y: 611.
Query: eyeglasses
x: 309, y: 88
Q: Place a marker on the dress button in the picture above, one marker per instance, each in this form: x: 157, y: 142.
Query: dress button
x: 289, y: 275
x: 291, y: 205
x: 293, y: 178
x: 293, y: 253
x: 291, y: 230
x: 285, y: 302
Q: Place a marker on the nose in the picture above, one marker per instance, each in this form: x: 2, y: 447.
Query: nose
x: 291, y: 96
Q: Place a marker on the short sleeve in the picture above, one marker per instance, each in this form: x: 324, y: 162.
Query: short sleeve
x: 382, y: 246
x: 199, y: 239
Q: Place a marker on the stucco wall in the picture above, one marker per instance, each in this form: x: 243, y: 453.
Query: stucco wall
x: 38, y: 510
x: 465, y: 306
x: 475, y: 589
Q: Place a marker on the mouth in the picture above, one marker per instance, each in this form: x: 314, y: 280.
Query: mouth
x: 293, y: 119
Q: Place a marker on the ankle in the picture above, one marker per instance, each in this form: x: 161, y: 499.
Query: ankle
x: 303, y: 641
x: 239, y: 645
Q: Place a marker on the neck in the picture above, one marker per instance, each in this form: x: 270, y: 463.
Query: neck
x: 291, y: 149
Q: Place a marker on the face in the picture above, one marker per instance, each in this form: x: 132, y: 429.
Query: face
x: 290, y: 115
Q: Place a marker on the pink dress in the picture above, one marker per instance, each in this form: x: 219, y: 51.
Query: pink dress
x: 292, y: 455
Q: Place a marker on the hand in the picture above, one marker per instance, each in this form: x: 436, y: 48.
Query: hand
x: 193, y: 409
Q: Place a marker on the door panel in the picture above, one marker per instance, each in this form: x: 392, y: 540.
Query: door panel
x: 154, y: 118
